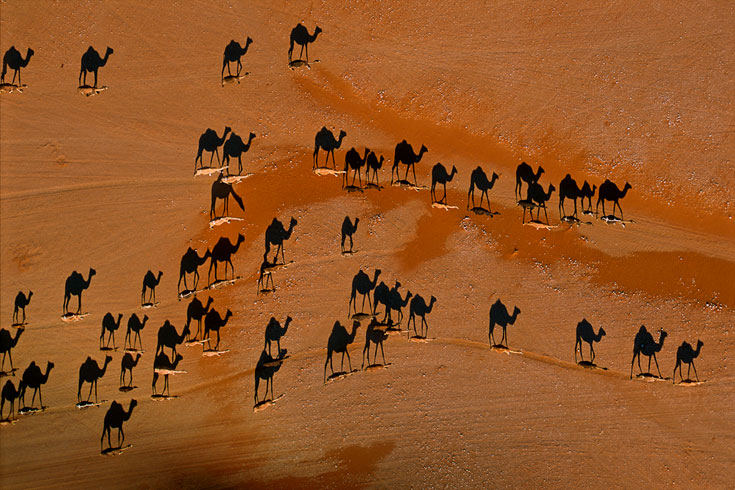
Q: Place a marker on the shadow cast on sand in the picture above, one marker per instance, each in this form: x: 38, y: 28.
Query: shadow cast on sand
x: 90, y: 91
x: 115, y: 451
x: 484, y: 212
x: 262, y: 405
x: 125, y: 389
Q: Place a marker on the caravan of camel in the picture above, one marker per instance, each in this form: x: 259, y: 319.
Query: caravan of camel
x: 204, y: 320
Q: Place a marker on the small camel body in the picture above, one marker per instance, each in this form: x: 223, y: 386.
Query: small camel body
x: 110, y: 325
x: 33, y: 378
x: 644, y: 344
x: 439, y: 175
x: 419, y: 308
x: 168, y: 337
x: 135, y: 325
x: 7, y: 342
x: 233, y: 53
x: 223, y: 252
x: 209, y: 141
x: 9, y: 394
x: 586, y: 333
x: 361, y: 284
x: 75, y: 286
x: 276, y: 234
x: 373, y: 164
x: 499, y: 316
x: 348, y: 229
x: 376, y: 336
x: 338, y: 342
x: 568, y: 190
x: 587, y: 192
x: 404, y: 154
x: 300, y: 36
x: 150, y: 281
x: 265, y: 276
x: 265, y: 369
x: 234, y: 148
x: 127, y: 364
x: 538, y: 198
x: 21, y: 301
x: 355, y: 163
x: 90, y: 372
x: 479, y: 179
x: 162, y: 362
x: 274, y: 332
x: 325, y: 140
x: 114, y: 419
x: 213, y: 322
x: 190, y: 263
x: 91, y: 62
x: 197, y: 311
x: 13, y: 59
x: 396, y: 303
x: 524, y: 173
x: 686, y: 354
x: 223, y: 190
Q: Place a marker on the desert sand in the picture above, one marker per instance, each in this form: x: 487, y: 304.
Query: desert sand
x: 625, y: 91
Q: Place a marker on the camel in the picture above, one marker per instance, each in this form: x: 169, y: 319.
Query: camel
x: 90, y: 372
x: 644, y: 344
x: 109, y: 324
x: 265, y: 369
x: 197, y: 311
x: 586, y: 333
x: 524, y: 173
x: 348, y: 229
x: 13, y: 59
x: 439, y: 175
x: 338, y: 341
x: 301, y: 36
x: 610, y: 192
x: 235, y: 147
x: 164, y: 363
x: 7, y: 342
x: 167, y: 337
x: 114, y: 419
x: 10, y: 394
x: 33, y: 378
x: 376, y: 336
x: 275, y: 234
x: 223, y: 190
x: 209, y: 141
x: 325, y: 140
x: 380, y: 296
x: 373, y: 164
x: 75, y: 285
x: 21, y: 301
x: 214, y: 322
x: 222, y: 252
x: 499, y: 316
x: 135, y: 325
x: 354, y: 162
x: 685, y: 354
x: 91, y: 62
x: 127, y: 364
x: 479, y: 179
x: 395, y: 302
x: 190, y: 263
x: 404, y: 154
x: 274, y: 332
x: 537, y: 197
x: 150, y: 281
x: 419, y: 308
x: 568, y: 189
x: 233, y: 52
x: 587, y: 192
x: 361, y: 284
x: 264, y: 276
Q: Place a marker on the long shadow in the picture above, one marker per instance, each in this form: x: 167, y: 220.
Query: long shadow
x: 586, y: 333
x: 91, y: 63
x: 325, y: 140
x: 233, y: 53
x: 7, y: 343
x: 685, y: 354
x: 33, y: 378
x: 74, y: 286
x: 209, y: 141
x: 499, y: 316
x: 90, y: 372
x: 189, y: 264
x: 348, y: 229
x: 645, y: 344
x: 109, y: 325
x: 404, y: 154
x: 223, y: 252
x: 610, y: 192
x: 339, y: 340
x: 299, y: 35
x: 362, y: 284
x: 115, y: 417
x: 150, y: 281
x: 12, y: 59
x: 223, y: 190
x: 21, y: 301
x: 265, y: 369
x: 276, y: 234
x: 439, y: 175
x: 419, y: 308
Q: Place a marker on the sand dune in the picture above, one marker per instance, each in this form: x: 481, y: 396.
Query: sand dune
x: 627, y: 92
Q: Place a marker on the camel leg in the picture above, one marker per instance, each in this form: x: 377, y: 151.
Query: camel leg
x: 119, y: 434
x: 444, y: 199
x: 89, y: 395
x: 656, y: 361
x: 382, y: 352
x: 592, y: 352
x: 576, y: 348
x: 640, y: 369
x: 79, y: 304
x: 349, y: 361
x: 140, y: 342
x: 649, y: 364
x: 695, y: 370
x: 366, y: 348
x: 621, y: 209
x: 216, y: 347
x: 95, y: 391
x: 342, y: 363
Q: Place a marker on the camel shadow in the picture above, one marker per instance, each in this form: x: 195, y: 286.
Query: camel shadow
x: 114, y: 451
x: 125, y: 389
x: 370, y: 185
x: 377, y: 366
x: 483, y: 212
x: 590, y: 365
x: 353, y: 188
x: 8, y: 373
x: 340, y: 374
x: 231, y: 79
x: 86, y: 404
x: 110, y: 349
x: 361, y: 316
x: 30, y: 410
x: 651, y: 376
x: 161, y: 397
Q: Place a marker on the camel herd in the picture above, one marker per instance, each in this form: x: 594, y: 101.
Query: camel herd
x: 363, y: 287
